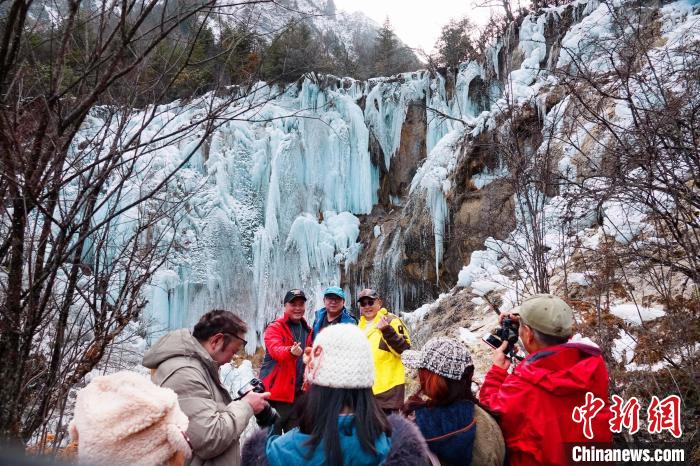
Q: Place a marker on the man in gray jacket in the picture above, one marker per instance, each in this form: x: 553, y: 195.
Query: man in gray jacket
x: 188, y: 363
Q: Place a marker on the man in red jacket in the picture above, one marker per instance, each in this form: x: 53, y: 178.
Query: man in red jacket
x: 282, y: 370
x: 535, y: 402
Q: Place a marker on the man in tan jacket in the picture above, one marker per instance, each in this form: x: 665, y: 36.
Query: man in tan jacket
x: 188, y: 363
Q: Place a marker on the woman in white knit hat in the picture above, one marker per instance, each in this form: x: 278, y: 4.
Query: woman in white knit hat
x: 341, y: 423
x: 125, y: 419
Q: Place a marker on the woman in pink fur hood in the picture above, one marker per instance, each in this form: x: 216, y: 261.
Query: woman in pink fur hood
x: 124, y: 419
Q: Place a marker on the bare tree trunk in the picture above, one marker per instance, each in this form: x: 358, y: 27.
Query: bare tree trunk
x: 69, y: 285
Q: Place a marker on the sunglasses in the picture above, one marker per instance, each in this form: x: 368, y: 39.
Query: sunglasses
x: 367, y: 302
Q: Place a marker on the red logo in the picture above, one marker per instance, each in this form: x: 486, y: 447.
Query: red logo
x: 625, y: 414
x: 585, y: 413
x: 665, y: 415
x: 661, y: 415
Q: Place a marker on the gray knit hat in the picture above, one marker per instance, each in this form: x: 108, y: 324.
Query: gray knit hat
x: 444, y: 356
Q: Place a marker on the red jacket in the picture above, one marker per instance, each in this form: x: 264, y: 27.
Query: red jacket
x: 279, y: 368
x: 535, y: 402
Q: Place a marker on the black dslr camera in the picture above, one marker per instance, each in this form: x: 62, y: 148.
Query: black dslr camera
x: 267, y: 416
x: 508, y: 331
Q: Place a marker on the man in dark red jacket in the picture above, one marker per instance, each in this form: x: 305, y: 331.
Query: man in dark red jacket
x: 535, y: 402
x: 283, y: 369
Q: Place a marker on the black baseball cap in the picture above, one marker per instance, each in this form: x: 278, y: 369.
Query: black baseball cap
x: 295, y: 293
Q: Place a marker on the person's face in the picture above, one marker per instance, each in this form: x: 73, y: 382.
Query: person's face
x: 527, y: 337
x: 333, y: 303
x: 369, y: 307
x: 221, y: 351
x: 295, y: 309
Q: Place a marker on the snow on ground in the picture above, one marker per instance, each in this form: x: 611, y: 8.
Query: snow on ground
x: 624, y: 221
x: 469, y: 337
x: 634, y: 314
x: 412, y: 318
x: 487, y: 176
x: 578, y: 338
x: 579, y: 278
x: 234, y: 378
x: 483, y: 275
x: 623, y: 347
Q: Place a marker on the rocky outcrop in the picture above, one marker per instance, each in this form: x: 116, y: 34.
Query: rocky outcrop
x: 398, y: 255
x: 408, y: 157
x: 412, y: 149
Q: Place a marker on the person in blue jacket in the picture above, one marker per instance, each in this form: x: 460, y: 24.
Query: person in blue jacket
x: 333, y: 312
x: 341, y: 424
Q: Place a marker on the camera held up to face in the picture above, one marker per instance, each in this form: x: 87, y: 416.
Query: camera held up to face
x: 508, y: 331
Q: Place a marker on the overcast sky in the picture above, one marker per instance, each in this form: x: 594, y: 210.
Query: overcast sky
x: 416, y: 23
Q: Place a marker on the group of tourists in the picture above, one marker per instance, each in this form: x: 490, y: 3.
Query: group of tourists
x: 338, y: 387
x: 290, y: 336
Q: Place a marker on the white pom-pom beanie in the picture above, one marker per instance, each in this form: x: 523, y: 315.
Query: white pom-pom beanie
x: 125, y: 419
x: 341, y: 358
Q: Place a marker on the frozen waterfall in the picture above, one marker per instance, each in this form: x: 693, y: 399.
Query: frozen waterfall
x: 279, y: 190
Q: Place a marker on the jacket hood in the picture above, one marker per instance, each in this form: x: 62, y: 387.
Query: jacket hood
x: 565, y: 369
x: 177, y: 344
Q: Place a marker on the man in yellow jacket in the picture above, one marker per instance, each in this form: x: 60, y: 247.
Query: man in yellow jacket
x: 388, y: 337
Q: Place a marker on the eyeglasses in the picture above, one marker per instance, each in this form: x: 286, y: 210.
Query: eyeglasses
x: 245, y: 343
x: 366, y: 302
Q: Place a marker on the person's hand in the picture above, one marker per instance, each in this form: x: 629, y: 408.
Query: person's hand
x: 295, y: 349
x: 307, y: 355
x: 502, y: 316
x: 257, y: 401
x: 383, y: 323
x: 499, y: 356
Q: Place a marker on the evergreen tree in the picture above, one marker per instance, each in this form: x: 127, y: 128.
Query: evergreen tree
x: 362, y: 53
x: 336, y: 59
x: 186, y: 61
x: 198, y: 75
x: 294, y: 52
x: 242, y: 53
x: 390, y: 56
x: 454, y: 44
x: 385, y: 50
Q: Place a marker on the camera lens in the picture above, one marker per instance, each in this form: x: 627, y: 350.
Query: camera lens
x: 267, y: 416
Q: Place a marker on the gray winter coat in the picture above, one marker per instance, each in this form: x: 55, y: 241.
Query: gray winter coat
x: 489, y: 449
x: 182, y: 364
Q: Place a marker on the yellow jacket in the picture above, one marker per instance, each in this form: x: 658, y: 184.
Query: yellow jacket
x: 387, y: 346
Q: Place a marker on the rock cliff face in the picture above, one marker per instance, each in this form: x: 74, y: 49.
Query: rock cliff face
x: 401, y: 257
x: 569, y: 185
x: 440, y: 201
